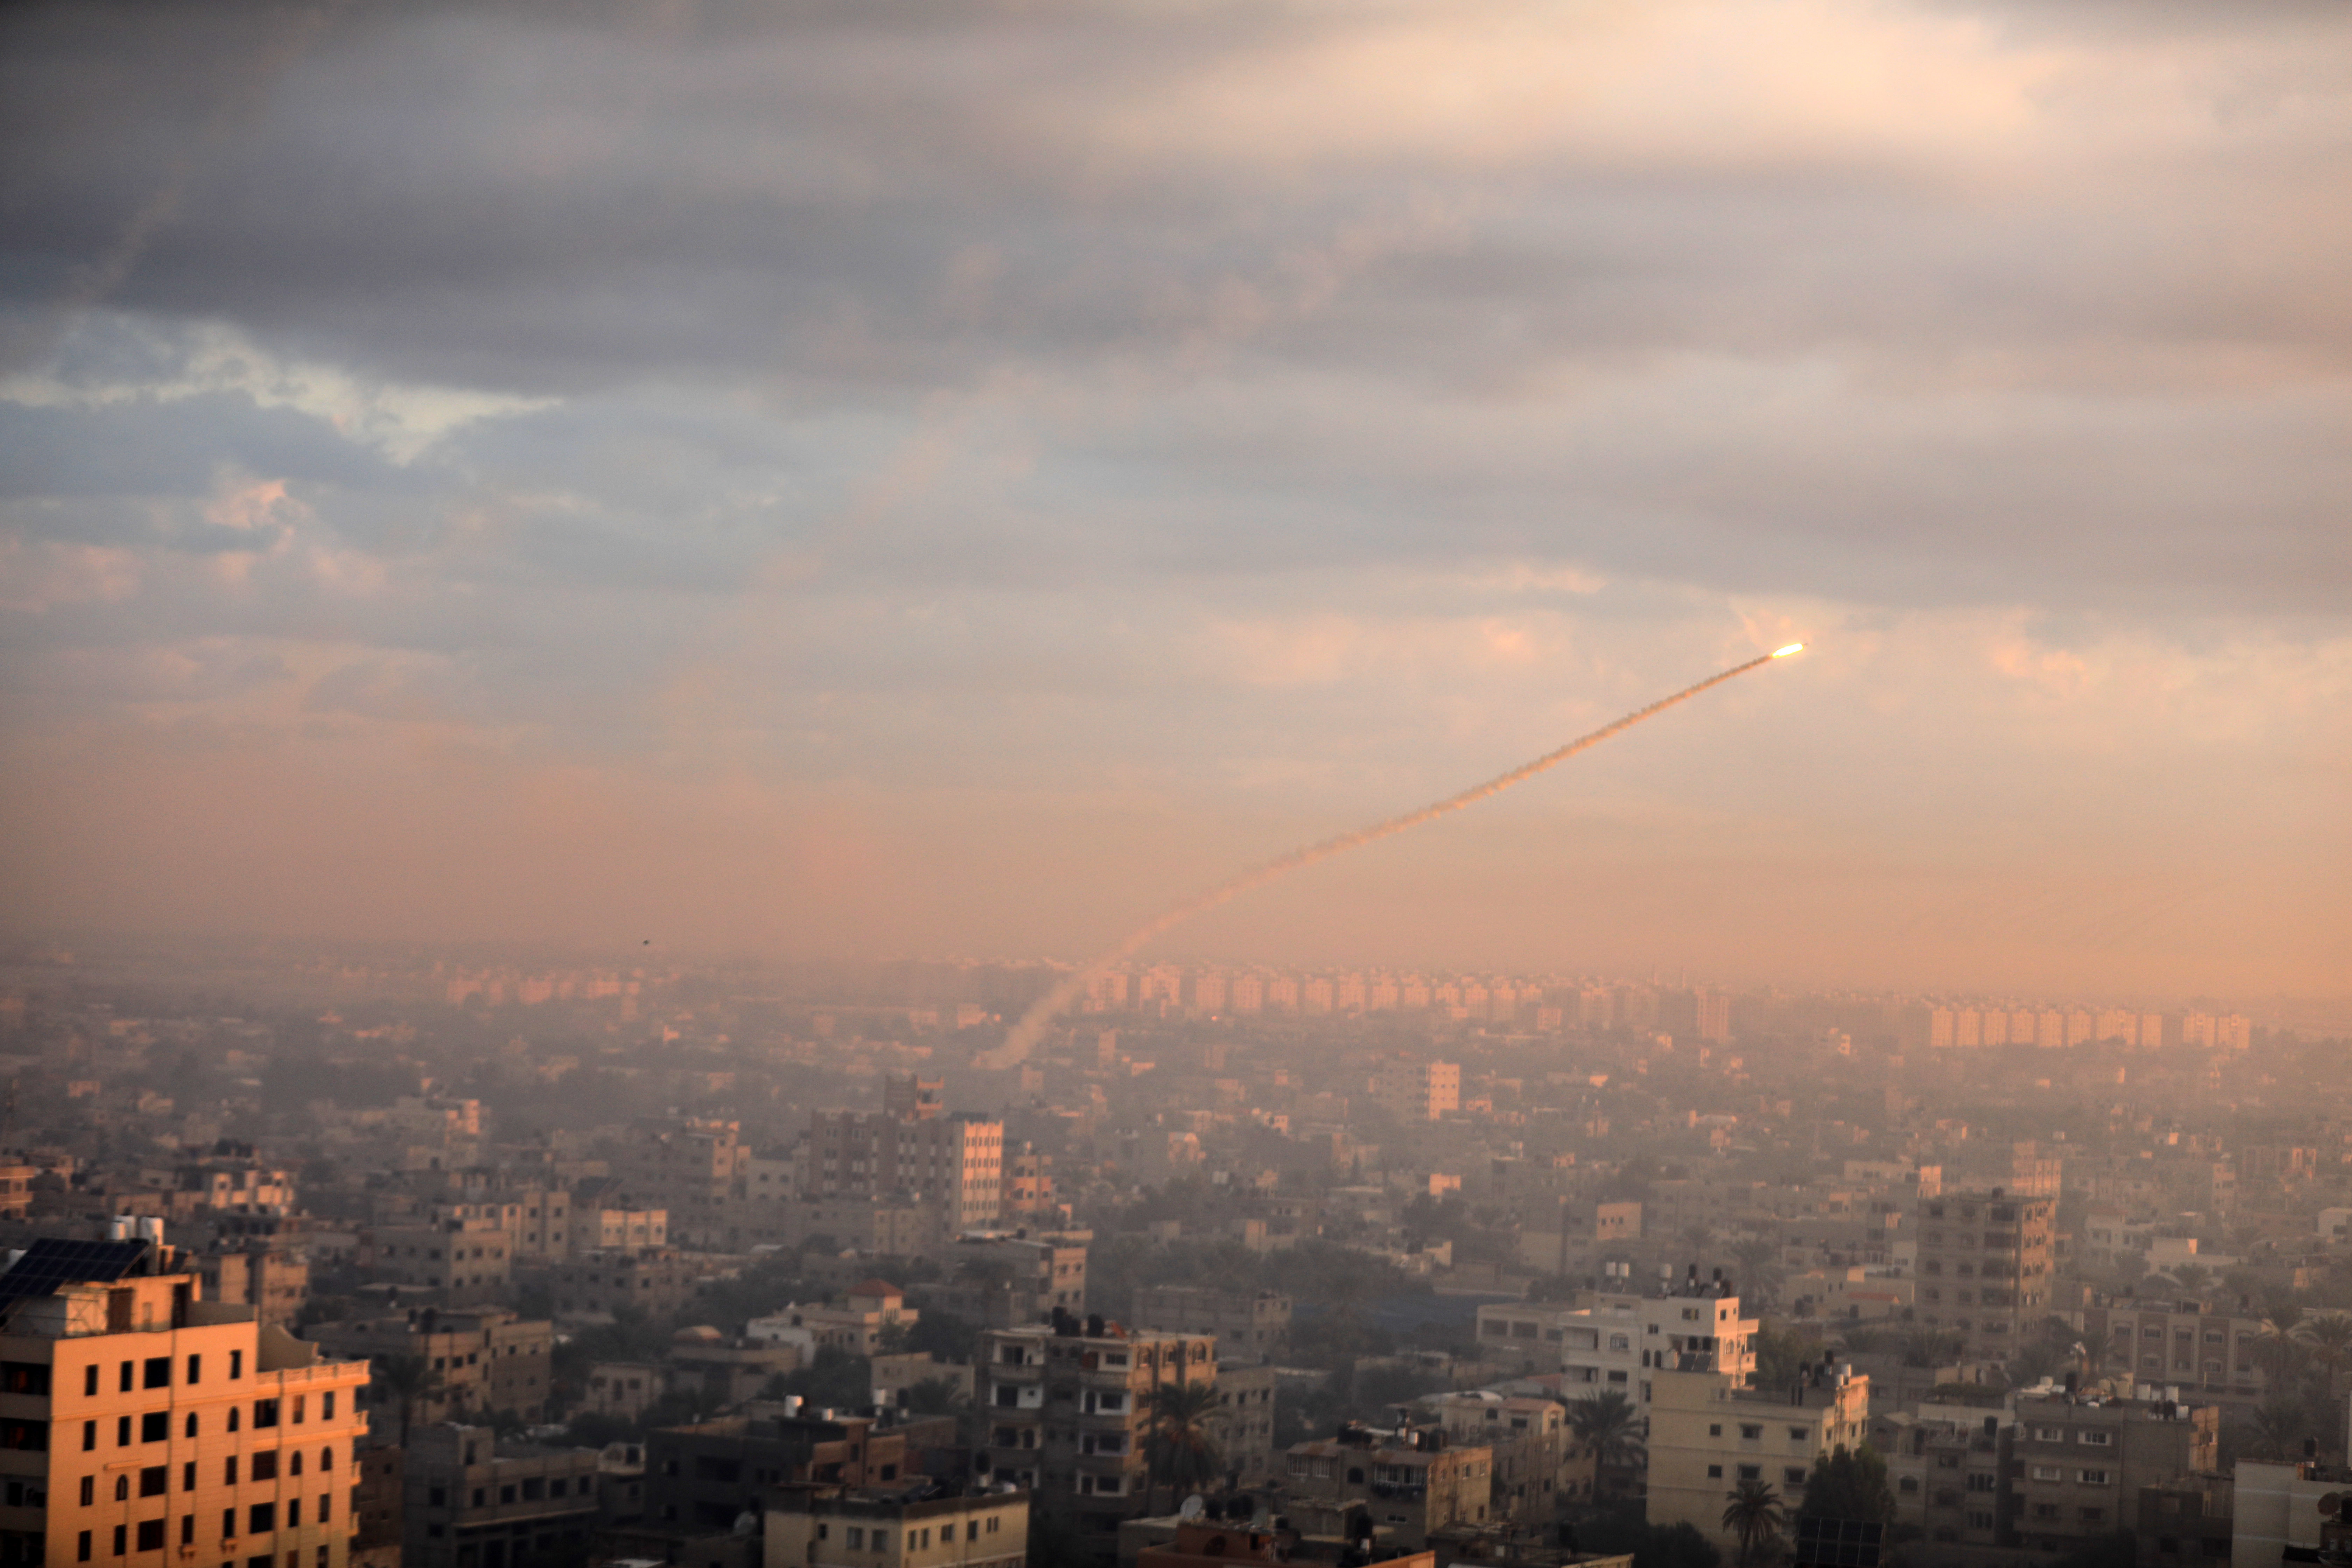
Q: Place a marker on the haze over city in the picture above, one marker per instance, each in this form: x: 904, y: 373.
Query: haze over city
x: 1307, y: 783
x: 837, y: 480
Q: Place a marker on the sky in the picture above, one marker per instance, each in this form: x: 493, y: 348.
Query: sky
x: 954, y: 478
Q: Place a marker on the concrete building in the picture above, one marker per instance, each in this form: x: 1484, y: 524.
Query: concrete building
x: 1213, y: 1543
x: 460, y: 1261
x: 703, y: 1477
x: 1530, y: 1442
x: 1067, y: 1408
x: 1944, y: 1468
x: 469, y: 1501
x: 1983, y: 1266
x: 1620, y: 1338
x: 1247, y: 1324
x: 867, y: 1310
x: 1411, y: 1485
x: 656, y: 1282
x: 1707, y: 1433
x: 2276, y: 1517
x: 1242, y: 1427
x: 1005, y: 1281
x: 870, y: 1527
x: 2078, y: 1464
x: 1419, y: 1092
x: 954, y: 1165
x: 137, y: 1418
x: 275, y: 1281
x: 478, y: 1363
x: 624, y: 1389
x: 618, y: 1230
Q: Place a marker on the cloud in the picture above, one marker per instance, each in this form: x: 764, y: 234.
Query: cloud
x: 1091, y: 439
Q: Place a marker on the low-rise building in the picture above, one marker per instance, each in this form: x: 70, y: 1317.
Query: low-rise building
x: 474, y: 1363
x: 2079, y: 1463
x: 1707, y: 1434
x: 1248, y: 1324
x: 844, y: 1527
x: 1412, y: 1485
x: 1619, y: 1338
x: 470, y: 1501
x: 1530, y: 1443
x: 1242, y: 1427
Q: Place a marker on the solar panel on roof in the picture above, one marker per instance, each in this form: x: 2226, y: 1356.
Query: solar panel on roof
x: 52, y: 1261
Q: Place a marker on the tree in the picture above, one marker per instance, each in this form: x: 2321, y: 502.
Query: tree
x: 2275, y: 1430
x: 1179, y: 1449
x: 1783, y: 1355
x: 407, y: 1381
x: 1759, y: 1276
x: 2328, y: 1337
x: 1608, y: 1427
x: 1755, y: 1516
x: 941, y: 1396
x: 2192, y: 1278
x: 2275, y: 1345
x: 1849, y: 1485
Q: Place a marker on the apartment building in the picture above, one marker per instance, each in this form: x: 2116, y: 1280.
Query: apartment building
x: 618, y: 1230
x: 1983, y: 1266
x: 1707, y: 1433
x: 1411, y: 1484
x: 138, y: 1418
x: 1944, y: 1468
x: 1242, y: 1426
x: 1530, y: 1442
x: 1247, y: 1324
x: 1067, y: 1408
x: 840, y: 1527
x: 459, y: 1262
x: 1419, y: 1092
x: 1621, y: 1337
x: 2079, y: 1463
x: 476, y: 1363
x: 911, y: 1147
x: 705, y: 1476
x: 1003, y: 1281
x: 470, y: 1501
x: 2182, y: 1344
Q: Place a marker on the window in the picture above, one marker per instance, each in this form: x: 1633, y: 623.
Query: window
x: 157, y: 1374
x: 265, y: 1464
x: 856, y: 1537
x: 235, y: 1365
x: 188, y: 1428
x: 1715, y: 1472
x: 261, y: 1517
x: 2095, y: 1439
x: 234, y: 1416
x: 230, y: 1477
x: 151, y: 1535
x: 228, y: 1524
x: 294, y: 1513
x: 327, y: 1405
x: 1793, y: 1476
x: 154, y: 1480
x: 1751, y: 1472
x: 121, y: 1531
x: 2092, y: 1478
x: 155, y: 1426
x: 2048, y: 1473
x: 196, y: 1369
x: 124, y: 1379
x: 89, y: 1490
x: 89, y: 1435
x: 122, y: 1431
x: 81, y: 1546
x: 188, y: 1476
x: 1800, y: 1434
x: 264, y: 1413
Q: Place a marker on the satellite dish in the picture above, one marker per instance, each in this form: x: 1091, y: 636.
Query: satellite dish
x: 2330, y: 1504
x: 1194, y: 1506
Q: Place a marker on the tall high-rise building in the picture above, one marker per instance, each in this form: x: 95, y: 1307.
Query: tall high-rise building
x: 1984, y: 1267
x: 166, y: 1424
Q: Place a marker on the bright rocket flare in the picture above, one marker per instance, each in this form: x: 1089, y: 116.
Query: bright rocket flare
x: 1022, y: 1037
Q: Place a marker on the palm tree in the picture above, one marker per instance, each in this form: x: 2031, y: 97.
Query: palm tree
x: 2192, y: 1278
x: 2276, y: 1346
x: 1755, y: 1515
x: 1180, y: 1450
x: 1761, y: 1272
x: 2328, y: 1337
x: 2276, y: 1431
x: 1609, y: 1428
x: 407, y: 1381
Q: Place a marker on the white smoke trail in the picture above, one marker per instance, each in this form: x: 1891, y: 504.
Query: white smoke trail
x: 1023, y: 1036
